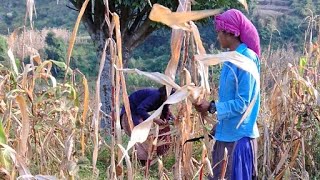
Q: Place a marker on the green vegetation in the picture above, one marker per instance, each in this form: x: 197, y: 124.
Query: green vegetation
x: 49, y: 14
x: 3, y: 48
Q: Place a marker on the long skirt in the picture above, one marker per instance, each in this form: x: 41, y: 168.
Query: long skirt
x: 242, y: 159
x: 164, y: 138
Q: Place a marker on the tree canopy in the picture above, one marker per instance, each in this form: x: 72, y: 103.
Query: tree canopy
x: 134, y: 21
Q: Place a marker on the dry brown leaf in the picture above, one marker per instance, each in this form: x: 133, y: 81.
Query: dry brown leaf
x: 234, y: 57
x: 244, y: 3
x: 128, y: 162
x: 13, y: 62
x: 160, y: 169
x: 178, y: 20
x: 240, y: 61
x: 69, y: 143
x: 25, y: 129
x: 224, y: 164
x: 175, y: 46
x: 209, y: 167
x: 74, y: 33
x: 156, y: 76
x: 85, y: 111
x: 197, y: 38
x: 30, y: 7
x: 122, y: 78
x: 118, y: 59
x: 96, y: 115
x: 37, y: 59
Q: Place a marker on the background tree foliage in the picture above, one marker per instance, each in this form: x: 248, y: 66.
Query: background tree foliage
x: 3, y: 48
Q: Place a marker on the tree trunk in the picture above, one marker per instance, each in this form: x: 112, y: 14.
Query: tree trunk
x: 106, y: 95
x: 106, y: 88
x: 126, y: 56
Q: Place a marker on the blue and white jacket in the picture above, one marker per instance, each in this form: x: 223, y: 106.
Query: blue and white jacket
x: 236, y: 90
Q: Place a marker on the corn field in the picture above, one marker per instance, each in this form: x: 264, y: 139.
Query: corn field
x: 49, y: 128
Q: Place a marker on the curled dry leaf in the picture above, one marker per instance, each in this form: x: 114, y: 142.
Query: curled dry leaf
x: 244, y: 3
x: 178, y: 20
x: 240, y: 61
x: 156, y: 76
x: 128, y: 162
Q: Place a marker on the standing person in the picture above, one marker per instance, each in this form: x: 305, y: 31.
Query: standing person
x: 141, y: 103
x: 237, y: 89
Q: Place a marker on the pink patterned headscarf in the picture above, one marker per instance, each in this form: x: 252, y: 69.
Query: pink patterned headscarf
x: 233, y: 21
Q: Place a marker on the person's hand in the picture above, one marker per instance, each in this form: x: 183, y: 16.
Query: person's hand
x: 160, y: 122
x: 203, y: 106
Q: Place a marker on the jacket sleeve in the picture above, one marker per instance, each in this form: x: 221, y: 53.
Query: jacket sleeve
x: 146, y: 104
x: 246, y: 85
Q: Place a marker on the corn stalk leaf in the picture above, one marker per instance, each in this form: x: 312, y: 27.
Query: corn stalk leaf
x: 128, y: 162
x: 30, y: 6
x: 85, y: 112
x: 44, y: 177
x: 4, y: 158
x: 175, y: 46
x: 96, y: 115
x: 122, y: 78
x: 17, y: 160
x: 25, y: 129
x: 3, y: 138
x: 240, y: 61
x: 13, y: 62
x: 62, y: 65
x: 178, y: 20
x: 244, y: 3
x: 155, y: 76
x: 74, y: 33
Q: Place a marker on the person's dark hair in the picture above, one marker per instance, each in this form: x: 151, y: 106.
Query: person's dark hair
x: 163, y: 92
x: 163, y: 95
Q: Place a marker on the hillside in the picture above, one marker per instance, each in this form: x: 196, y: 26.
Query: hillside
x: 273, y: 7
x: 48, y: 14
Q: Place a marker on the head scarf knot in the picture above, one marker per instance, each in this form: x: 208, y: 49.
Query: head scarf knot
x: 233, y: 21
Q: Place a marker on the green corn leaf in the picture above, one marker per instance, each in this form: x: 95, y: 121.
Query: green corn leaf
x: 302, y: 64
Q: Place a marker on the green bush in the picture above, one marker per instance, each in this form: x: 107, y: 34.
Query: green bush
x: 3, y: 49
x: 56, y: 50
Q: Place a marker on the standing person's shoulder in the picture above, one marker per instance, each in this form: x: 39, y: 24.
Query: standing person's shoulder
x: 251, y: 55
